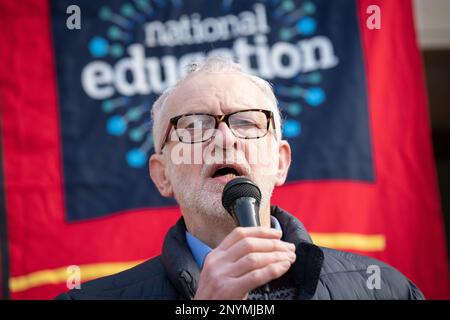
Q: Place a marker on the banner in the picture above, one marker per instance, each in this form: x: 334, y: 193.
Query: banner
x: 75, y: 98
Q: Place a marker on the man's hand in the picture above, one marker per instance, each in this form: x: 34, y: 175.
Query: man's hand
x: 246, y: 259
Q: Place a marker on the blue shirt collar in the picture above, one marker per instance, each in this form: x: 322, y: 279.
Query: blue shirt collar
x: 200, y: 250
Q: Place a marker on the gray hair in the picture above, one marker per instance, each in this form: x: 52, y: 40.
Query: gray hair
x: 212, y: 64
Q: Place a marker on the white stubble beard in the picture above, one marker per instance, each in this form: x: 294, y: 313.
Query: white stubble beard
x: 206, y: 202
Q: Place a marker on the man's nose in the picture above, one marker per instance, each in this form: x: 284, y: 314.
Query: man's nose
x: 226, y: 139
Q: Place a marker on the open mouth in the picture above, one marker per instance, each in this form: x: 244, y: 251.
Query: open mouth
x: 224, y: 171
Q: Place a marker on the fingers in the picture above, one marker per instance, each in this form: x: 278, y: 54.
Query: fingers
x: 248, y: 245
x: 246, y: 259
x: 258, y: 277
x: 257, y: 260
x: 240, y: 233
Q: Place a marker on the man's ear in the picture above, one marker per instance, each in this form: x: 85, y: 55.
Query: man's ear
x: 284, y: 162
x: 157, y: 168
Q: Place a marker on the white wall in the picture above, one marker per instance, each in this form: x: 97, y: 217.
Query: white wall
x: 433, y: 23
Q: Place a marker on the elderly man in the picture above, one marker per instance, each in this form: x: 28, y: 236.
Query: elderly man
x: 215, y: 124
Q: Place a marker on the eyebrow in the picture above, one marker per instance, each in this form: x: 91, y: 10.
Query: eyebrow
x: 243, y: 106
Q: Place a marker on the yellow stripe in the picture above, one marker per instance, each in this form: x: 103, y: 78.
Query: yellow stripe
x: 60, y: 275
x: 349, y: 241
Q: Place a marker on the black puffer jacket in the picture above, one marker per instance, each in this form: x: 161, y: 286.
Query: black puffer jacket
x: 319, y: 273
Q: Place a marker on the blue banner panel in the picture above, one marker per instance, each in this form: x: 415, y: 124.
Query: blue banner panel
x: 126, y: 53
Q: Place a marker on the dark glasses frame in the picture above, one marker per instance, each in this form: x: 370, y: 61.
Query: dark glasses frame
x: 218, y: 118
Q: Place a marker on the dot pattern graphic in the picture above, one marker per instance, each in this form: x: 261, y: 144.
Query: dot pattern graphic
x: 126, y: 118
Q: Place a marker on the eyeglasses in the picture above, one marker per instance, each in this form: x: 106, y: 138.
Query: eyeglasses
x: 200, y: 127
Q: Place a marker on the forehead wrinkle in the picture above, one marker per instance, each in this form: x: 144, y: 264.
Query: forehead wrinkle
x: 205, y: 95
x: 215, y: 100
x: 188, y: 103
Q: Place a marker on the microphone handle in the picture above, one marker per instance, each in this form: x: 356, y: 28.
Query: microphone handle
x: 246, y: 211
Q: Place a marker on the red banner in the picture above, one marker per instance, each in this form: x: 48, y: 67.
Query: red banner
x: 395, y: 218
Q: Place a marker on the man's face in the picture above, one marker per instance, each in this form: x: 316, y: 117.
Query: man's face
x: 198, y: 172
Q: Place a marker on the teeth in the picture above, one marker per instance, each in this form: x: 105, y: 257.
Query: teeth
x: 229, y: 175
x: 225, y: 171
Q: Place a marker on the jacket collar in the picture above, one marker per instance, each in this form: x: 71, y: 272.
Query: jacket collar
x: 178, y: 261
x: 308, y: 264
x: 184, y: 273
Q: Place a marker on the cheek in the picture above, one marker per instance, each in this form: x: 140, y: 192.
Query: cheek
x: 191, y: 171
x: 184, y: 175
x: 183, y: 154
x: 262, y: 156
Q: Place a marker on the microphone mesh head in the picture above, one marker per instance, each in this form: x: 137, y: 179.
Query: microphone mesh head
x: 238, y: 188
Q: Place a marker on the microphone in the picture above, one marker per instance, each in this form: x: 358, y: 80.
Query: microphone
x: 241, y: 197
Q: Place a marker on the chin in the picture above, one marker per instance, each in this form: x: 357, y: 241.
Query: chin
x: 212, y: 186
x: 209, y: 201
